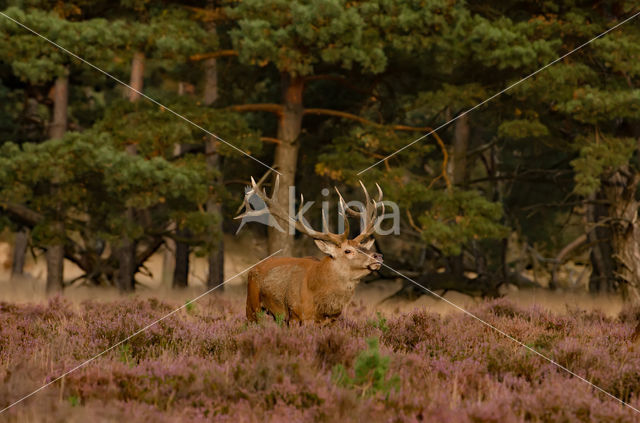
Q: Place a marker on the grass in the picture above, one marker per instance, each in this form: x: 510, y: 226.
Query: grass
x: 206, y: 363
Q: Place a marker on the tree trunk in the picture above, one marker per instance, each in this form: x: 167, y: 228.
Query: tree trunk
x: 58, y: 125
x: 625, y: 240
x: 55, y: 263
x: 215, y: 277
x: 215, y: 259
x: 210, y: 82
x: 182, y: 249
x: 286, y: 155
x: 126, y: 262
x: 181, y: 270
x: 20, y: 244
x: 137, y: 76
x: 602, y: 277
x: 125, y: 278
x: 168, y: 262
x: 55, y: 250
x: 458, y: 174
x: 169, y: 259
x: 210, y: 94
x: 458, y: 163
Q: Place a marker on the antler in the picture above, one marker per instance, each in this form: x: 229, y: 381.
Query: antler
x: 369, y: 215
x: 277, y: 211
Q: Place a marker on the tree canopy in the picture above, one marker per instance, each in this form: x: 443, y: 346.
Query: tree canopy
x: 543, y: 173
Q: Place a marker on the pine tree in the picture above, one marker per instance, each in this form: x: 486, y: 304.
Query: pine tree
x: 92, y: 196
x: 299, y: 38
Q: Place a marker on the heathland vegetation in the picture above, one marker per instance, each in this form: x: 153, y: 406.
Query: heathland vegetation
x: 206, y: 363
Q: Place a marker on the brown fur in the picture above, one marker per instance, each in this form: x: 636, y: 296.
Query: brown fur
x: 307, y: 288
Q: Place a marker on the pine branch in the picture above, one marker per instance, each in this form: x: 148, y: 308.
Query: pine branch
x: 270, y: 140
x: 208, y: 15
x: 427, y: 129
x: 22, y: 213
x: 145, y: 254
x: 351, y: 116
x: 258, y: 107
x: 213, y: 55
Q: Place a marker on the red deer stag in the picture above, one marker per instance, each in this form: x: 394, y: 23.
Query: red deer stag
x: 303, y: 289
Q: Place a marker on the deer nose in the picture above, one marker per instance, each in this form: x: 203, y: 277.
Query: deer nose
x: 378, y: 257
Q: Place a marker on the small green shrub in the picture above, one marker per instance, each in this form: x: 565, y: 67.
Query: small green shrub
x: 260, y: 316
x: 370, y: 372
x: 126, y: 355
x: 380, y: 322
x: 74, y: 400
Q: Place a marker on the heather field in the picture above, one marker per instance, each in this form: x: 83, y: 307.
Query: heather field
x: 205, y: 363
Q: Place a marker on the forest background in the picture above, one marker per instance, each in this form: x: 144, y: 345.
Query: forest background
x: 93, y: 173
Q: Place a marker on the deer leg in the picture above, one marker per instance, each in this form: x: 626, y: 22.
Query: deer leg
x: 328, y: 321
x: 291, y: 322
x: 253, y: 298
x: 251, y: 314
x: 293, y: 316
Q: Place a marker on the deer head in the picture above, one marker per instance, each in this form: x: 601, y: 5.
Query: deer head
x: 351, y: 258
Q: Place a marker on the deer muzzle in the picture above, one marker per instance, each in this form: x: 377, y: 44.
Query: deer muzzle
x: 377, y: 263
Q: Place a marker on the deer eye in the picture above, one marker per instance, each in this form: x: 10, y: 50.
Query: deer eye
x: 347, y: 251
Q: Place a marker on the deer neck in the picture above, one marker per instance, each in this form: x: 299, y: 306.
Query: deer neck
x: 332, y: 288
x: 331, y: 274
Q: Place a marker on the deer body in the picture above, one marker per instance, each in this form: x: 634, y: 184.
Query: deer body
x: 303, y: 289
x: 297, y: 289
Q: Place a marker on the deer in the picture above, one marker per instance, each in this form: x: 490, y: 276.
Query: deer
x: 309, y: 289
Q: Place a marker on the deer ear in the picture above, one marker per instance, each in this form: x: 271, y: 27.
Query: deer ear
x: 325, y: 247
x: 367, y: 245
